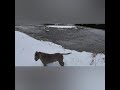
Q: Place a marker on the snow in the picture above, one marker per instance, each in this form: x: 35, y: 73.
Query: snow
x: 26, y: 46
x: 47, y: 30
x: 21, y: 27
x: 61, y: 26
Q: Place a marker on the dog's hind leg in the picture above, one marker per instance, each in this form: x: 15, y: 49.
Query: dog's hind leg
x: 92, y: 62
x: 61, y: 63
x: 45, y: 65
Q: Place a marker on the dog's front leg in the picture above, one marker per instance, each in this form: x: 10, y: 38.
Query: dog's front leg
x: 44, y: 64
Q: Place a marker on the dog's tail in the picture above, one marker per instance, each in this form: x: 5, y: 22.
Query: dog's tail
x: 65, y: 53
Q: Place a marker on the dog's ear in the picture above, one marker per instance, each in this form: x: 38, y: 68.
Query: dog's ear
x: 39, y: 52
x: 36, y: 52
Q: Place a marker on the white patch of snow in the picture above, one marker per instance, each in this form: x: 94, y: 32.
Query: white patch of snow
x: 21, y: 27
x: 61, y: 26
x: 26, y: 46
x: 47, y: 30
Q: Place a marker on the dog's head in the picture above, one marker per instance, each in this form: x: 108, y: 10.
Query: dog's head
x: 36, y: 56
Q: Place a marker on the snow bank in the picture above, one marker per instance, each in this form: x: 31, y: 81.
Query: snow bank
x: 26, y: 46
x: 61, y: 26
x: 21, y: 27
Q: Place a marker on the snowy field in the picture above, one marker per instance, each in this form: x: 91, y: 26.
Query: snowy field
x: 26, y: 46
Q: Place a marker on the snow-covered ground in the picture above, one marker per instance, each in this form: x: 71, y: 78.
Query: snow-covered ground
x: 61, y: 26
x: 26, y: 46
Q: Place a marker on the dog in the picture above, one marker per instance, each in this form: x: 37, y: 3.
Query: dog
x: 50, y: 58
